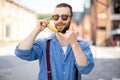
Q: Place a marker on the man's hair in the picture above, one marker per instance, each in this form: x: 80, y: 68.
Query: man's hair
x: 65, y: 5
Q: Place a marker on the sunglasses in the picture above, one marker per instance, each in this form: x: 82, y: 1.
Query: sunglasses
x: 64, y: 17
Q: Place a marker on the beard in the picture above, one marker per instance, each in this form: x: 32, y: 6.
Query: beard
x: 64, y: 29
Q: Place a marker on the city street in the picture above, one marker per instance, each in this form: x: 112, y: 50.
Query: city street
x: 95, y: 21
x: 107, y: 64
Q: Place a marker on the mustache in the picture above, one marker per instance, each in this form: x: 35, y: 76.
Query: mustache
x: 59, y: 24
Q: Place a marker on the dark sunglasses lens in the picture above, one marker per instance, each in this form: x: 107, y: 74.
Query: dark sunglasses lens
x: 56, y: 17
x: 64, y: 17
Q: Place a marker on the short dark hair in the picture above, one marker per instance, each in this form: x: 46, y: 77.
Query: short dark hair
x: 65, y: 5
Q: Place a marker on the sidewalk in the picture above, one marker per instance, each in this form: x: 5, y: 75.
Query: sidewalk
x: 106, y: 52
x: 7, y: 50
x: 107, y: 64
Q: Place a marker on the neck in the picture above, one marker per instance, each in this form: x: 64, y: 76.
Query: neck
x: 62, y: 41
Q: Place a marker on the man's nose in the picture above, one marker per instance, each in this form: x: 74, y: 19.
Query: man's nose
x: 60, y: 19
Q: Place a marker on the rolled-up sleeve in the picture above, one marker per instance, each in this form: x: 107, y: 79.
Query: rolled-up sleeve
x: 87, y: 51
x: 32, y: 54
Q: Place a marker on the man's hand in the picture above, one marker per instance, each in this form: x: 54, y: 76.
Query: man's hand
x: 69, y: 37
x: 42, y: 24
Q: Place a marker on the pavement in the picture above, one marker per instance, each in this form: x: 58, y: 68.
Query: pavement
x: 107, y: 64
x: 105, y: 52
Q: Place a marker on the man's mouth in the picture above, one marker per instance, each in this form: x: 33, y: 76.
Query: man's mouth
x: 60, y: 24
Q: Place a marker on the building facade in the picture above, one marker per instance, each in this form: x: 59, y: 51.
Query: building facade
x: 105, y: 22
x: 100, y: 25
x: 16, y: 21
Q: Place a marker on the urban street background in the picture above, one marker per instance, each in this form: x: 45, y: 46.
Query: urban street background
x: 107, y: 64
x: 97, y: 21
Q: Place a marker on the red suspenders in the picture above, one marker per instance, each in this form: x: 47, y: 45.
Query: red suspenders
x: 48, y: 62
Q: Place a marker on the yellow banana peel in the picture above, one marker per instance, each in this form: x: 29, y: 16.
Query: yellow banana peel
x: 52, y: 28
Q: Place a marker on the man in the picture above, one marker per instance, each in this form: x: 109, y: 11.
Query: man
x: 67, y: 53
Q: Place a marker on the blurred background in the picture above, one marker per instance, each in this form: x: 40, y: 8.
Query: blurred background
x: 96, y: 21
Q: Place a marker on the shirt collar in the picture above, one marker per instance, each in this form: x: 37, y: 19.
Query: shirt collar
x: 52, y: 37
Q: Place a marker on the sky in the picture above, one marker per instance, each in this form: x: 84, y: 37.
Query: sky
x: 47, y: 6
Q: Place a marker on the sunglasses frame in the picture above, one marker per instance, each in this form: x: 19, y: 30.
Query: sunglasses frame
x: 64, y: 17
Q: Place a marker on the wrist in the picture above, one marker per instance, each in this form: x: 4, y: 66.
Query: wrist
x: 74, y: 43
x: 37, y: 29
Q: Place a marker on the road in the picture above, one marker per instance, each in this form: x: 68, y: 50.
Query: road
x: 107, y: 64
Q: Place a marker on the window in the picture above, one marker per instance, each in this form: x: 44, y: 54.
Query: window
x: 7, y: 31
x: 116, y: 25
x: 101, y: 28
x: 116, y: 6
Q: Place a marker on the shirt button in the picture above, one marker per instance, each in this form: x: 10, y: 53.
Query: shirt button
x: 64, y: 73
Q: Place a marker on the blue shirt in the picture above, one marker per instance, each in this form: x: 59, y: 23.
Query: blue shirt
x: 63, y: 67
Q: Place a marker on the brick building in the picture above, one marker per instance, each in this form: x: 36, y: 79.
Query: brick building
x: 16, y: 21
x: 99, y: 24
x: 102, y: 25
x: 105, y: 15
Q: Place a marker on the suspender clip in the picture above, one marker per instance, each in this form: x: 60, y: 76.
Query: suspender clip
x: 49, y: 72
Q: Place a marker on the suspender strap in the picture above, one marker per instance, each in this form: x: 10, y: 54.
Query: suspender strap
x: 76, y: 75
x: 48, y: 60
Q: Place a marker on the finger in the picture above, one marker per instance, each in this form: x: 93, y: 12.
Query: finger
x: 60, y: 35
x: 71, y: 27
x: 48, y: 19
x: 43, y: 23
x: 68, y: 33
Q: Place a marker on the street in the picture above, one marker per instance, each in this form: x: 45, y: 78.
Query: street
x: 107, y: 64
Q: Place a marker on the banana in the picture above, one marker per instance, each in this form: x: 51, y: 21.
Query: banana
x: 52, y: 28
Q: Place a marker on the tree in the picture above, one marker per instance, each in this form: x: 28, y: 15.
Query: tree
x: 44, y: 16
